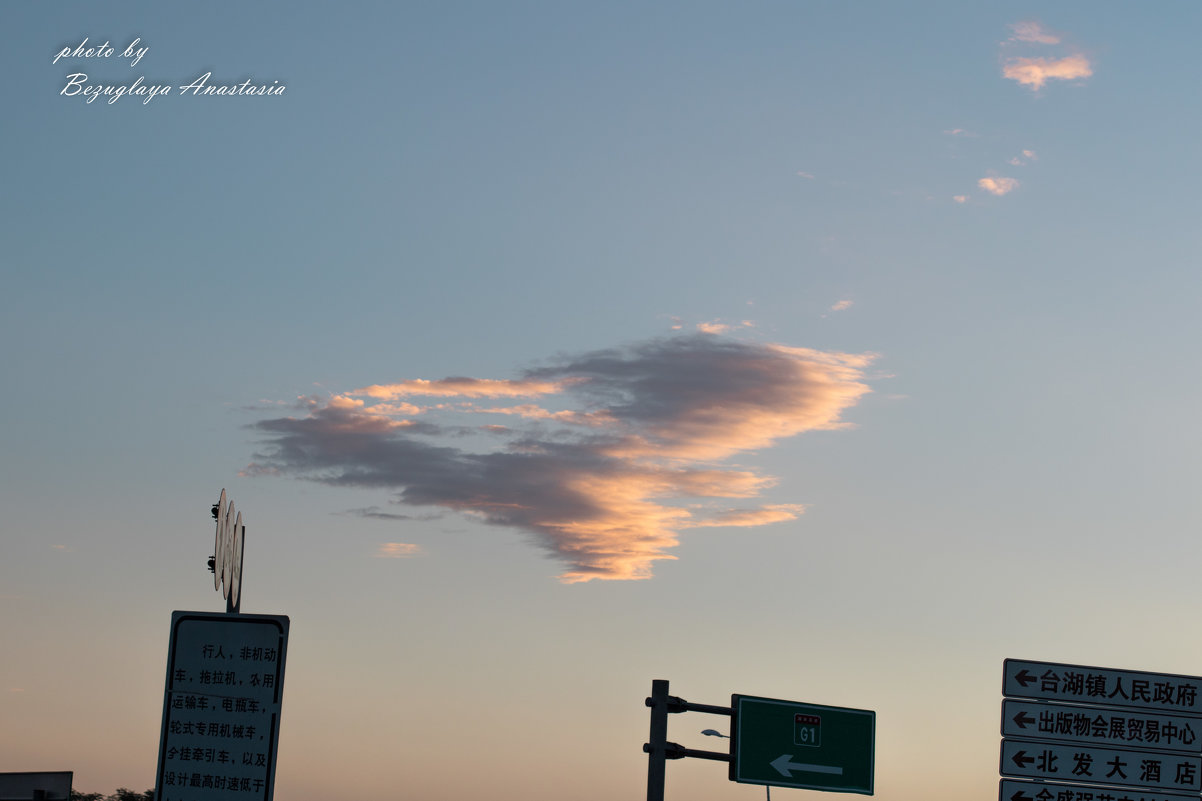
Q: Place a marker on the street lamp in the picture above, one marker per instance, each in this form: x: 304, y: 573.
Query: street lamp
x: 716, y: 733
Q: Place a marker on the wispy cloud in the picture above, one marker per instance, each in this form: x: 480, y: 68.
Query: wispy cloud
x: 1033, y: 32
x: 375, y: 513
x: 998, y: 185
x: 960, y: 198
x: 842, y: 305
x: 398, y: 550
x: 624, y: 449
x: 459, y: 387
x: 771, y: 513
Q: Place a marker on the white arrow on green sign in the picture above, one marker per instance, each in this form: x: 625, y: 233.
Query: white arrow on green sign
x: 808, y: 746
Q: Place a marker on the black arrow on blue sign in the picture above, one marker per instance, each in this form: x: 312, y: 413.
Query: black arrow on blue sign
x: 1021, y: 796
x: 1022, y: 760
x: 1022, y: 719
x: 1024, y: 678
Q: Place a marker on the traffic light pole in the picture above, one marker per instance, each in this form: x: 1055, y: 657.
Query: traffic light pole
x: 659, y: 750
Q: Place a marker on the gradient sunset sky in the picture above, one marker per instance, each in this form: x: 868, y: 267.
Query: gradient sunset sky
x: 822, y: 351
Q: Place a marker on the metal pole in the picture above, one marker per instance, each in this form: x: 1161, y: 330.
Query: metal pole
x: 658, y: 739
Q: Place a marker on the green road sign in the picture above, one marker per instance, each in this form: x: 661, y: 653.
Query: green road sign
x: 790, y: 744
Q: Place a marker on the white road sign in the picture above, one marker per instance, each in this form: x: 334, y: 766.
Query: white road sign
x: 1089, y: 764
x: 1051, y: 681
x: 1123, y: 728
x: 1015, y: 790
x: 221, y: 708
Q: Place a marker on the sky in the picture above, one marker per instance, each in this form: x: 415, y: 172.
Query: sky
x: 828, y: 352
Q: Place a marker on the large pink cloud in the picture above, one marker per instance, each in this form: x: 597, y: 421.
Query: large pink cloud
x: 625, y: 448
x: 1035, y: 72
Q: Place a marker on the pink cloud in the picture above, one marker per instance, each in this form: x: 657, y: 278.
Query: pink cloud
x: 608, y: 477
x: 397, y: 550
x: 998, y: 186
x: 741, y: 518
x: 1035, y: 72
x: 459, y: 387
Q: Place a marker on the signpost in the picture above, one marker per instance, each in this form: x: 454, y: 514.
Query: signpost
x: 224, y: 689
x: 221, y: 710
x: 772, y: 742
x: 1099, y: 734
x: 808, y: 746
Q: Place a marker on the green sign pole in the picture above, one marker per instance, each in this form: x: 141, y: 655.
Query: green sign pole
x: 658, y: 749
x: 658, y: 740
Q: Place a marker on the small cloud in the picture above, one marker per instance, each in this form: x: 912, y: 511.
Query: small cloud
x: 841, y: 305
x: 1030, y: 154
x: 16, y: 689
x: 398, y: 550
x: 998, y: 186
x: 714, y: 327
x: 958, y: 132
x: 62, y: 548
x: 1033, y: 32
x: 805, y: 175
x: 1035, y: 72
x: 1016, y: 162
x: 960, y: 198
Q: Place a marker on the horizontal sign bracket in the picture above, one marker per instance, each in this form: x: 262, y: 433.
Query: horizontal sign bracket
x: 677, y: 751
